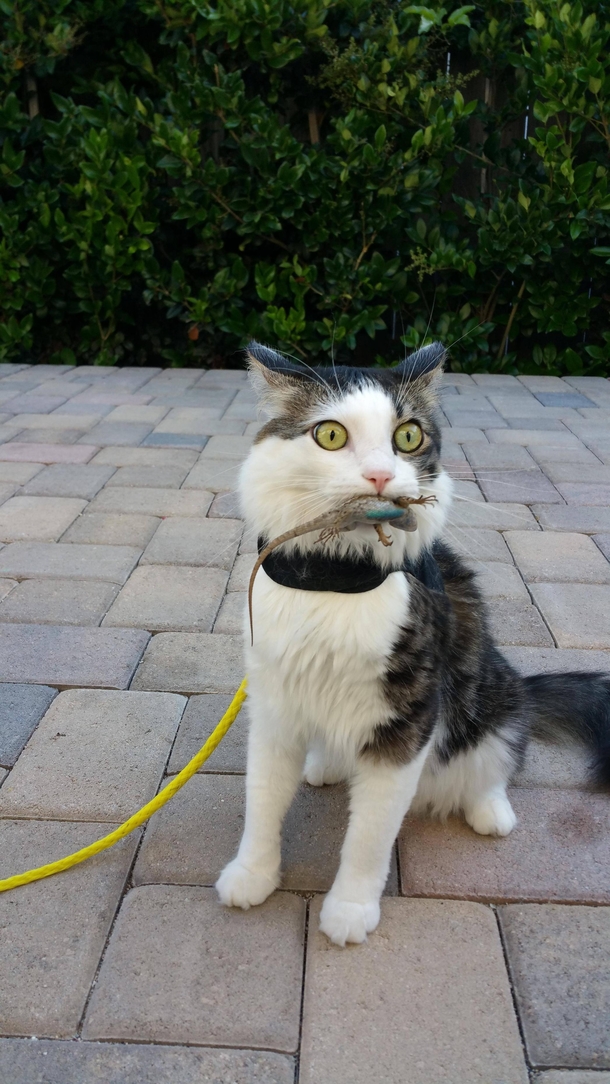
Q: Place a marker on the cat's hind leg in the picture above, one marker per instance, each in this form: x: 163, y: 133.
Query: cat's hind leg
x: 489, y: 768
x: 473, y: 782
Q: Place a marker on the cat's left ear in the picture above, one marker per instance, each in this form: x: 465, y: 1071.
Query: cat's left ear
x: 425, y: 365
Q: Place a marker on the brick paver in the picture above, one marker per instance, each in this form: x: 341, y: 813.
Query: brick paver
x: 429, y: 996
x: 516, y: 485
x: 6, y: 586
x: 480, y: 544
x: 573, y: 1076
x: 564, y: 444
x: 560, y: 850
x: 69, y: 480
x: 214, y: 474
x: 514, y: 621
x: 19, y: 472
x: 169, y: 598
x: 225, y: 506
x: 26, y: 560
x: 180, y: 967
x: 558, y: 957
x: 112, y: 529
x: 554, y: 766
x: 58, y: 774
x: 118, y: 519
x: 486, y: 457
x: 54, y: 421
x: 564, y: 517
x: 118, y: 433
x: 136, y: 1063
x: 544, y: 660
x: 56, y: 936
x: 46, y: 453
x: 562, y: 557
x: 21, y: 709
x: 184, y: 541
x: 52, y: 654
x: 199, y: 719
x: 577, y: 614
x: 496, y: 517
x: 147, y: 457
x: 59, y: 602
x: 174, y: 440
x: 231, y: 615
x: 500, y: 580
x: 549, y: 455
x: 152, y: 501
x: 191, y: 663
x: 37, y: 518
x: 158, y: 477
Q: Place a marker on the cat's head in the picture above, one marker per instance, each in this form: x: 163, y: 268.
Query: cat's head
x: 336, y: 432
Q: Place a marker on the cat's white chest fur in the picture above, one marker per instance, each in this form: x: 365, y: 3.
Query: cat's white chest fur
x: 320, y: 657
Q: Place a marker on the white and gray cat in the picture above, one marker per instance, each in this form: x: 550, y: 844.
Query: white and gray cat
x: 378, y: 668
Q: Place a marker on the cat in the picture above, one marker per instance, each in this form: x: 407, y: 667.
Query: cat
x: 397, y: 689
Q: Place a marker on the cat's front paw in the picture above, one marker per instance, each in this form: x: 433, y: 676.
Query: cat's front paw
x: 343, y: 921
x: 238, y: 886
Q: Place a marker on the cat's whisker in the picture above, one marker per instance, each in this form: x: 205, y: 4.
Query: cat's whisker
x: 332, y: 356
x: 465, y: 335
x: 408, y: 375
x: 494, y: 470
x: 498, y: 481
x: 467, y: 475
x: 468, y: 500
x: 219, y: 474
x: 471, y: 556
x: 318, y: 378
x: 494, y: 508
x: 472, y: 532
x: 309, y: 504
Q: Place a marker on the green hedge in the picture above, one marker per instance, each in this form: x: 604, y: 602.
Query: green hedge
x: 331, y: 176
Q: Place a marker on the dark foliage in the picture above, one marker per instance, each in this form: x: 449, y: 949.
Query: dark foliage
x: 355, y: 177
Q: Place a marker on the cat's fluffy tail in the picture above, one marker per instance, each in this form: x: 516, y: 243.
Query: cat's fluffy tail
x: 574, y: 707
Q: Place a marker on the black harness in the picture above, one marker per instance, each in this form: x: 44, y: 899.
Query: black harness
x: 347, y: 575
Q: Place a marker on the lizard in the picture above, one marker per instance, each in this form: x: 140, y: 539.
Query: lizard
x: 354, y: 512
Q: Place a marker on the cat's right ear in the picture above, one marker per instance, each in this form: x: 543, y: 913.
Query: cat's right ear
x: 273, y: 376
x: 426, y: 364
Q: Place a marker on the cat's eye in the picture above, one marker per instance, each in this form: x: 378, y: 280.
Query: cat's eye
x: 330, y: 435
x: 408, y: 437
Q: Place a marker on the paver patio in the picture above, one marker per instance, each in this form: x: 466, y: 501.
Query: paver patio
x: 123, y: 567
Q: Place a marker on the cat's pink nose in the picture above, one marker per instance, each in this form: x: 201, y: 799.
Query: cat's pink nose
x: 379, y: 478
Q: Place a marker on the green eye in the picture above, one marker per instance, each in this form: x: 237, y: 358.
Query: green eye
x: 330, y: 435
x: 408, y: 437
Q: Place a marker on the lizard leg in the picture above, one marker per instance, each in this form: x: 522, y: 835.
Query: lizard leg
x: 382, y: 536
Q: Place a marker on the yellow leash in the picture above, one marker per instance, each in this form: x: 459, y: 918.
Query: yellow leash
x: 145, y: 812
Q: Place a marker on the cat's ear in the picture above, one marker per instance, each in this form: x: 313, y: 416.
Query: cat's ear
x: 425, y: 365
x: 275, y: 378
